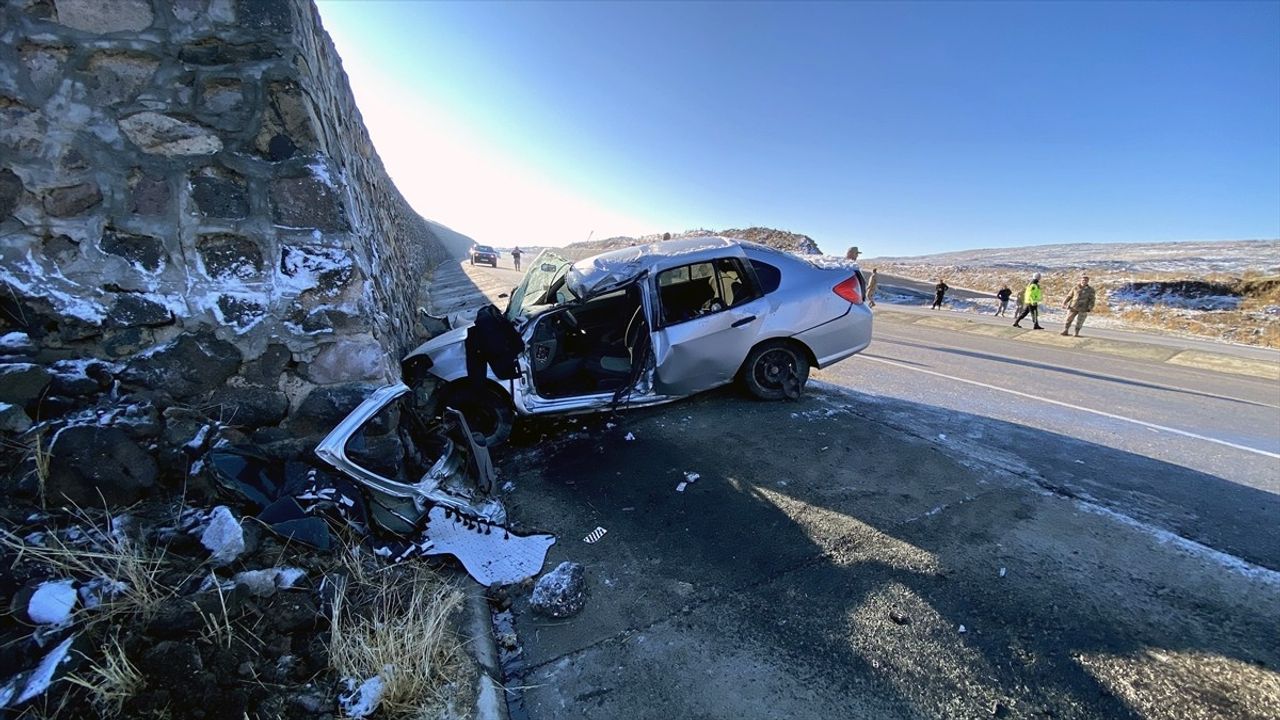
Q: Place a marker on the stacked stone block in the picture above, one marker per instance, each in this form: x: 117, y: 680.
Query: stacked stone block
x: 189, y: 199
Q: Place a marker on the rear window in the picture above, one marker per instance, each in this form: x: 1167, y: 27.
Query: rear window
x: 770, y: 277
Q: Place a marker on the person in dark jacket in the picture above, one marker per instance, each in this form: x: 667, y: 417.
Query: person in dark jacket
x: 939, y: 291
x: 1004, y: 295
x: 515, y: 256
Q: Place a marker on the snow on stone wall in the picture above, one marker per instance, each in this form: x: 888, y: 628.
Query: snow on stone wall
x: 196, y: 174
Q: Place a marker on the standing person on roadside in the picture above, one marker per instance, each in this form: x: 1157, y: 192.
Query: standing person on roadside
x: 871, y: 288
x: 1003, y: 295
x: 515, y: 256
x: 939, y: 291
x: 852, y: 254
x: 1031, y: 298
x: 1079, y: 304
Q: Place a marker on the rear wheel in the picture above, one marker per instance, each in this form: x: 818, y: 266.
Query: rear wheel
x: 776, y: 370
x: 488, y: 410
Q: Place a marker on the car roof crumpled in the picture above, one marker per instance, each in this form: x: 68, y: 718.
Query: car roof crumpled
x: 591, y: 275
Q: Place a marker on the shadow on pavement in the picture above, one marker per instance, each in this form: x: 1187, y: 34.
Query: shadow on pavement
x: 823, y: 562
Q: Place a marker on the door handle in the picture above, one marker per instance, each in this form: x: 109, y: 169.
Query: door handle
x: 744, y: 321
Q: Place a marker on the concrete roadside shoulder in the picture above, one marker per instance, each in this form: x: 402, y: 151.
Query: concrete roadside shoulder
x: 477, y: 625
x: 1200, y: 359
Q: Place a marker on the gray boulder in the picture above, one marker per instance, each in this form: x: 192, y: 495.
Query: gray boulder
x: 191, y: 365
x: 21, y: 383
x: 91, y: 459
x: 562, y: 592
x: 13, y: 418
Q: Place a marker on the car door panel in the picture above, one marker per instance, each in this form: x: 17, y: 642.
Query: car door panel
x: 707, y: 351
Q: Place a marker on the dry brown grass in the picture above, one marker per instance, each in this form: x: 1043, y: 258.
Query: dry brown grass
x: 114, y: 556
x: 111, y: 680
x: 397, y: 622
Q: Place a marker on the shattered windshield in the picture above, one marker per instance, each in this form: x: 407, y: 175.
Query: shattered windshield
x: 543, y: 274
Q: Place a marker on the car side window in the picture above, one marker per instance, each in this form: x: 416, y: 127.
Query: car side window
x: 692, y: 291
x: 735, y: 284
x: 770, y: 277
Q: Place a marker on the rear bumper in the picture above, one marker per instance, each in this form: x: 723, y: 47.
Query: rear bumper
x: 837, y: 339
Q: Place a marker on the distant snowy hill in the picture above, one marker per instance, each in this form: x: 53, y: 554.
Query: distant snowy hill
x: 780, y: 239
x: 1196, y: 257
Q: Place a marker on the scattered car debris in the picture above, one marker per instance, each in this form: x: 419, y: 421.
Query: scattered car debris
x: 52, y: 603
x: 629, y: 437
x: 594, y: 536
x: 899, y: 617
x: 692, y: 476
x: 962, y: 629
x: 681, y: 486
x: 562, y: 592
x: 28, y: 684
x: 224, y: 537
x: 1002, y: 572
x: 491, y: 554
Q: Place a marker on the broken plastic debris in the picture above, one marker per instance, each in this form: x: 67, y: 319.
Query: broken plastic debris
x: 24, y: 686
x: 361, y: 700
x: 52, y: 603
x: 594, y: 536
x: 691, y: 476
x: 942, y: 436
x: 224, y: 538
x: 681, y: 486
x: 1002, y: 572
x: 491, y: 554
x: 610, y: 426
x: 629, y: 436
x: 963, y: 630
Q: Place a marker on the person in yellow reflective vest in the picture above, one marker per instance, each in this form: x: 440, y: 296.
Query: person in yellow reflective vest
x: 1031, y: 298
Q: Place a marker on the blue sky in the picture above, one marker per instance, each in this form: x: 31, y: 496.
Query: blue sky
x: 902, y: 128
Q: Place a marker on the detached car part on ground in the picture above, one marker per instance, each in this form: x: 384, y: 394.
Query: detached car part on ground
x: 648, y: 325
x: 485, y: 255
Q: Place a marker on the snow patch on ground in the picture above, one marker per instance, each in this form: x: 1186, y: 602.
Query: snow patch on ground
x: 361, y: 700
x: 1187, y: 296
x: 224, y: 538
x: 52, y: 602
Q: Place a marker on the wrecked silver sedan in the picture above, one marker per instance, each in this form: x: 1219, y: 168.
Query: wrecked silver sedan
x: 647, y: 325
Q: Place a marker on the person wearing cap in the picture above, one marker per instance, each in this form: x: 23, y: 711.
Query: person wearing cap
x: 1079, y: 304
x: 1031, y: 298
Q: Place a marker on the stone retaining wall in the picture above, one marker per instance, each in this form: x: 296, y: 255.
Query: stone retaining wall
x: 189, y: 198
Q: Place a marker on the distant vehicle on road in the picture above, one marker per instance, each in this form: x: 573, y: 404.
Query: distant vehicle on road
x: 647, y: 325
x: 484, y: 254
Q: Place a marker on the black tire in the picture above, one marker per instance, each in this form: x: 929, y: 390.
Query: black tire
x: 770, y: 364
x: 488, y: 411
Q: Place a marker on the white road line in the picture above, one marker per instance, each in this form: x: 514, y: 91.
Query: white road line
x: 1113, y: 416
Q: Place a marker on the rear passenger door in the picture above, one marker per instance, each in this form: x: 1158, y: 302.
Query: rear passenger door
x: 708, y: 315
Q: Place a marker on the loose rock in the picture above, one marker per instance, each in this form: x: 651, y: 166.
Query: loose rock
x: 21, y: 383
x: 91, y: 464
x: 562, y: 592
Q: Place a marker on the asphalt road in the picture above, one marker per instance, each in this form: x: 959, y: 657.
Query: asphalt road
x: 949, y: 525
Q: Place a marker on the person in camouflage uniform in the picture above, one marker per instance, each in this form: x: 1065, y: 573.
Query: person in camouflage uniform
x: 1079, y: 304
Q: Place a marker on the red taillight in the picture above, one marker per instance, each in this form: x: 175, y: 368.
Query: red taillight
x: 849, y: 290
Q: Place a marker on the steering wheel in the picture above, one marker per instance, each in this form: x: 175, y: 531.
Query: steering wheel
x: 570, y: 320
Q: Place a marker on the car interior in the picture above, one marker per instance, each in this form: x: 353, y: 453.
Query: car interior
x: 700, y: 289
x: 589, y: 347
